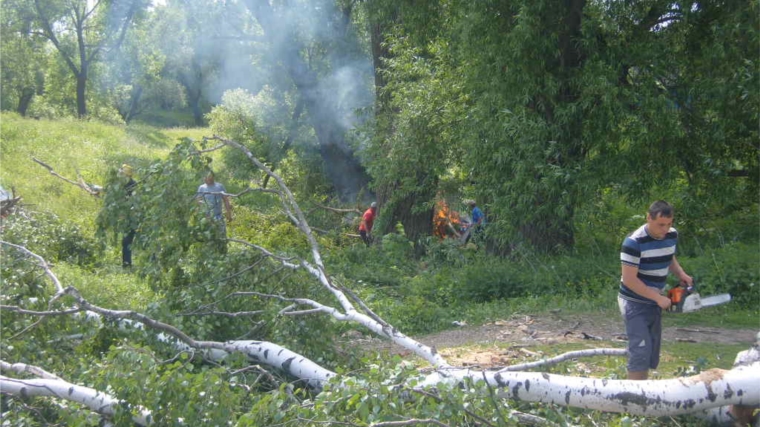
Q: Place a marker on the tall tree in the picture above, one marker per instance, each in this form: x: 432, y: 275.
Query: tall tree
x: 193, y: 59
x: 131, y: 76
x: 82, y: 31
x: 416, y: 104
x: 23, y: 57
x: 525, y: 135
x: 587, y: 95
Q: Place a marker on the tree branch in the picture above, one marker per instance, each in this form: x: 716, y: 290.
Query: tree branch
x: 338, y: 210
x: 409, y: 422
x: 81, y: 184
x: 40, y: 261
x: 567, y: 356
x: 23, y: 368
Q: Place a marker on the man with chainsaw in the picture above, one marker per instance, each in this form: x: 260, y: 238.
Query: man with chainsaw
x: 647, y: 256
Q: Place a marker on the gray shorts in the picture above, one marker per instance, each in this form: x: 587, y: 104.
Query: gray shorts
x: 643, y: 325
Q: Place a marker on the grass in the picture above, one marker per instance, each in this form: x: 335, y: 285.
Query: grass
x: 676, y: 359
x: 166, y: 119
x: 89, y: 149
x: 110, y: 286
x: 74, y: 147
x: 725, y: 316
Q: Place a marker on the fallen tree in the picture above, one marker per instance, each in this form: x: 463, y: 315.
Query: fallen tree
x: 713, y: 389
x: 710, y: 391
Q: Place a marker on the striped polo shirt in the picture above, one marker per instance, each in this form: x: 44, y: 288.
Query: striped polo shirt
x: 651, y: 256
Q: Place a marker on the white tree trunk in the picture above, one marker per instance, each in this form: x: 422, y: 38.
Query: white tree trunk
x: 93, y: 399
x: 713, y: 388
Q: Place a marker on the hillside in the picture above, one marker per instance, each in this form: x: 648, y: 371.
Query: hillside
x: 74, y: 147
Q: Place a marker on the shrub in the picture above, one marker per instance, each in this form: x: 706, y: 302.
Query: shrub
x: 50, y: 237
x: 732, y: 269
x: 490, y: 280
x: 396, y: 248
x: 414, y: 314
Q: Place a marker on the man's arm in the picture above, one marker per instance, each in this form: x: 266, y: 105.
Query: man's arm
x: 676, y: 269
x: 199, y: 196
x: 632, y: 281
x: 227, y: 207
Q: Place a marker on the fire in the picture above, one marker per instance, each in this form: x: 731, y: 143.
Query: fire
x: 446, y: 223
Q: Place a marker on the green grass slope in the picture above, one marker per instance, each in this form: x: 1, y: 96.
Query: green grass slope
x: 74, y: 147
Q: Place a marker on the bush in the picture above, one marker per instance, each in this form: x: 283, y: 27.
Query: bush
x: 413, y: 314
x: 50, y: 237
x: 732, y: 269
x: 396, y: 248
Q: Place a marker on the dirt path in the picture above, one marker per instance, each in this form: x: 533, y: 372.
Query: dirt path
x: 521, y: 332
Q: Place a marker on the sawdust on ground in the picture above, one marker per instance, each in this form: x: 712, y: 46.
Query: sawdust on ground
x: 501, y: 342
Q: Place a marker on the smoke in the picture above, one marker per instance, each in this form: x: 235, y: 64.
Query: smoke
x: 231, y: 49
x: 251, y: 58
x: 346, y: 88
x: 308, y: 50
x: 304, y: 50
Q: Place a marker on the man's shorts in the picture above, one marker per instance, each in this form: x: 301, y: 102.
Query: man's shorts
x: 643, y: 325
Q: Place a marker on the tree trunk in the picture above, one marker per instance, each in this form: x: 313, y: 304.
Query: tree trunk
x: 192, y: 80
x: 297, y: 111
x: 81, y: 87
x: 24, y: 100
x: 197, y: 111
x: 553, y: 229
x: 416, y: 224
x: 653, y: 398
x: 134, y: 102
x: 380, y: 53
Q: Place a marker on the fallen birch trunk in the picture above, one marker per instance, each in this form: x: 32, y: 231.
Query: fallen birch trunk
x: 712, y: 388
x: 95, y: 400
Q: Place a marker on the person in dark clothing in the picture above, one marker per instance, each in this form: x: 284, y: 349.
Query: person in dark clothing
x: 126, y: 242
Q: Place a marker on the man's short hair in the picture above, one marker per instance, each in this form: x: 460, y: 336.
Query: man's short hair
x: 660, y: 208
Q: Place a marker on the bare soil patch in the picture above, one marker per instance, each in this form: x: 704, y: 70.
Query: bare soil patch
x: 497, y: 343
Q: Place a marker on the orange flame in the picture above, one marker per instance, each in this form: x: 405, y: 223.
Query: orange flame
x: 446, y: 223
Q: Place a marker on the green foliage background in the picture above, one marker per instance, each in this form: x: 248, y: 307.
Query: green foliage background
x: 178, y: 270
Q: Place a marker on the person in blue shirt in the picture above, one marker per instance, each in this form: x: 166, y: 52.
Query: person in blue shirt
x: 647, y: 256
x: 214, y: 197
x: 478, y: 221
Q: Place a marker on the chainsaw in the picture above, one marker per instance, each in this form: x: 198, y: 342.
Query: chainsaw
x: 685, y: 300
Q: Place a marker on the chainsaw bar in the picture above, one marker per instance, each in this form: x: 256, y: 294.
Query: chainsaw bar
x: 694, y: 302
